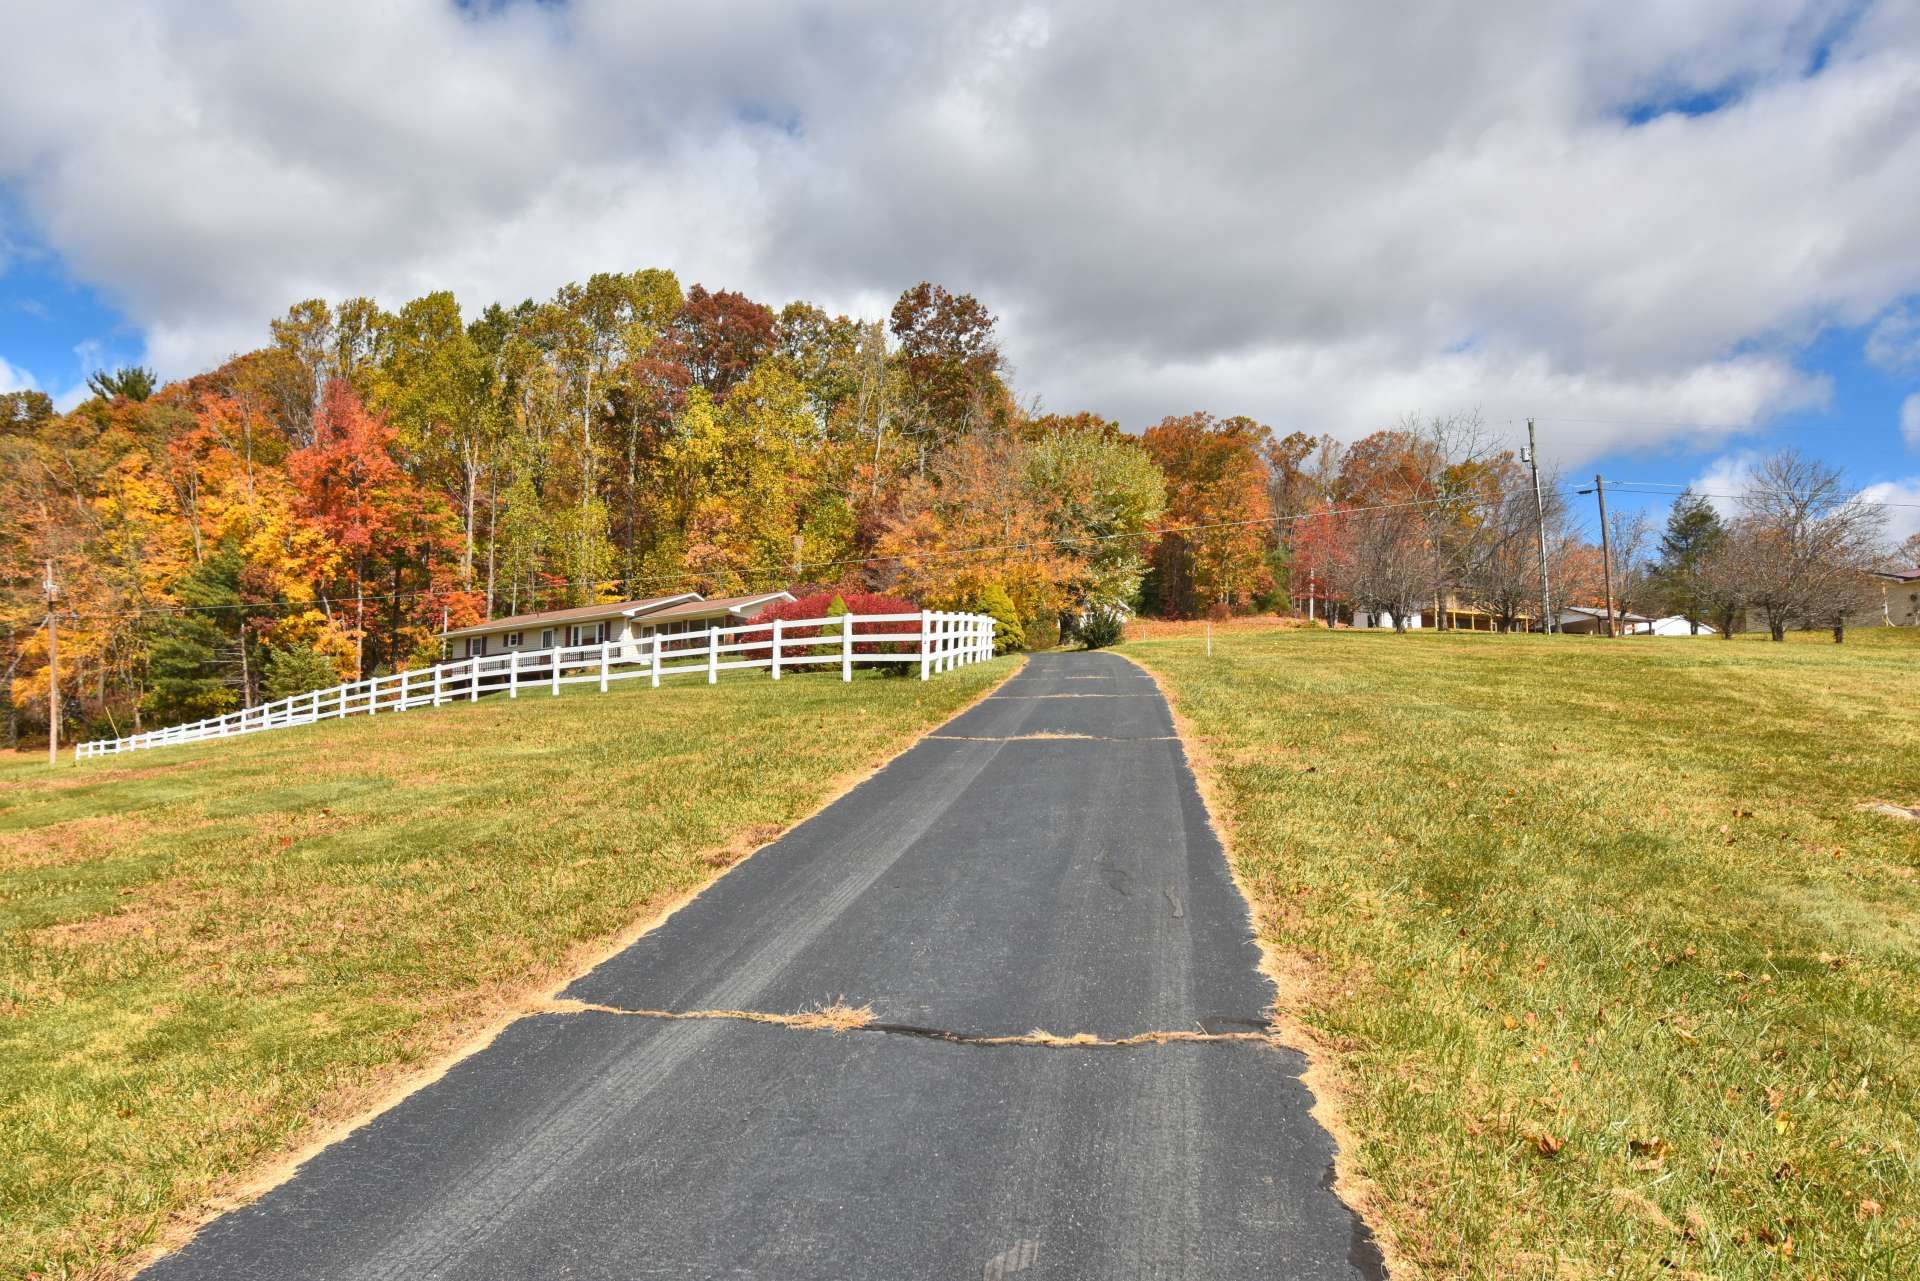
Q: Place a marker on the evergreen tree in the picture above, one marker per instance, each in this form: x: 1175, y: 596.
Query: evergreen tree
x: 1694, y: 530
x: 187, y: 676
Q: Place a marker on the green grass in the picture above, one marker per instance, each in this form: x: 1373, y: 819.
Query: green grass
x: 208, y: 951
x: 1615, y: 978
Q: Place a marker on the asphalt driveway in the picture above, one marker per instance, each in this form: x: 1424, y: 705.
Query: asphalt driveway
x: 1041, y: 862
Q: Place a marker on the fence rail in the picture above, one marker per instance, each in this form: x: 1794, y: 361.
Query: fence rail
x: 938, y: 642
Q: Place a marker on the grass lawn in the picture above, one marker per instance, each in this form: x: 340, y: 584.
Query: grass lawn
x: 207, y: 953
x: 1612, y: 976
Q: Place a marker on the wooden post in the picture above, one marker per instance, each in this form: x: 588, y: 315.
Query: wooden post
x: 846, y: 647
x: 776, y: 649
x: 555, y: 655
x: 1606, y: 550
x: 473, y: 679
x: 656, y: 659
x: 713, y: 654
x: 606, y: 654
x: 53, y: 671
x: 439, y: 684
x: 513, y: 673
x: 926, y: 640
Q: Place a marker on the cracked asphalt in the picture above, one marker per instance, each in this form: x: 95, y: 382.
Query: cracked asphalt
x: 1041, y: 862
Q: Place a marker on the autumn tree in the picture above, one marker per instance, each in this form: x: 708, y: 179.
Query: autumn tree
x: 950, y: 361
x: 1102, y: 494
x: 1211, y: 554
x: 392, y: 533
x: 973, y: 522
x: 721, y: 337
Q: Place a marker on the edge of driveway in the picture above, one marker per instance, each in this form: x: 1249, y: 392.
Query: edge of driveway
x: 1325, y: 1076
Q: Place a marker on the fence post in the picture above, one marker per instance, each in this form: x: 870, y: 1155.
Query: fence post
x: 556, y: 652
x: 776, y: 649
x: 513, y: 673
x: 473, y: 679
x: 439, y: 683
x: 606, y: 649
x: 926, y: 621
x: 373, y: 698
x: 656, y: 659
x: 713, y: 654
x: 846, y: 647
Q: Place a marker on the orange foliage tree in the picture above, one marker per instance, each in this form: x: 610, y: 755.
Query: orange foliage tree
x: 1211, y: 556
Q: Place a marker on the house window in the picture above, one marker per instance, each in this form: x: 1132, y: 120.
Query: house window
x: 476, y: 647
x: 514, y: 639
x: 546, y: 639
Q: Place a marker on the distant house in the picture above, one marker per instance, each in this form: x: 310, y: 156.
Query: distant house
x: 630, y: 623
x: 1675, y: 625
x: 1900, y: 596
x: 1457, y: 615
x: 1579, y: 620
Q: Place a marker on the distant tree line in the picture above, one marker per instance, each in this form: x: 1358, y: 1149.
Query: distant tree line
x: 324, y: 506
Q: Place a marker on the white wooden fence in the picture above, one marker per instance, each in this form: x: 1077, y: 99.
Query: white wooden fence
x: 938, y: 642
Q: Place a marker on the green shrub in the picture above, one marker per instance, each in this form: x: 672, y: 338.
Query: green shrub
x: 993, y: 600
x: 1100, y: 626
x: 296, y: 670
x: 1043, y: 632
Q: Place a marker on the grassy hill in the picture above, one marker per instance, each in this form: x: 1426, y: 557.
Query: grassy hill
x: 209, y: 952
x: 1613, y: 973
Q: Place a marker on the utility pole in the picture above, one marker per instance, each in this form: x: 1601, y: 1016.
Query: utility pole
x: 1606, y: 551
x: 1532, y: 459
x: 53, y: 671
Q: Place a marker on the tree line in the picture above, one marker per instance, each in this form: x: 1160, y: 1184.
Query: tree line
x: 323, y: 507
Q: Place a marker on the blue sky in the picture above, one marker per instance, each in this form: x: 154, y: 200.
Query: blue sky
x: 1671, y: 233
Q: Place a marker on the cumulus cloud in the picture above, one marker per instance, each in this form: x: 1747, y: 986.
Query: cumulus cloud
x: 15, y: 379
x: 1727, y: 479
x: 1894, y: 342
x: 1325, y: 216
x: 1902, y: 499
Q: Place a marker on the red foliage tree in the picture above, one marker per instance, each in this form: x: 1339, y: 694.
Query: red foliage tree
x: 398, y: 537
x: 722, y: 336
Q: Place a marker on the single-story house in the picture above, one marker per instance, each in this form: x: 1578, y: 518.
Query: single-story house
x: 1579, y: 620
x: 1900, y: 596
x: 628, y: 622
x: 1676, y: 625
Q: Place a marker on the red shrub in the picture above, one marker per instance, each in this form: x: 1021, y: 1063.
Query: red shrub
x: 816, y: 605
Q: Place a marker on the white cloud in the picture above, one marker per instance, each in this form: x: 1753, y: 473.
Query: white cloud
x: 1910, y: 420
x: 1324, y: 216
x: 1903, y: 506
x: 1894, y: 342
x: 14, y: 378
x: 1727, y: 479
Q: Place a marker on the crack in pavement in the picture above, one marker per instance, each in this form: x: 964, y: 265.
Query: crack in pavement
x: 1042, y: 736
x: 838, y: 1018
x: 1034, y: 698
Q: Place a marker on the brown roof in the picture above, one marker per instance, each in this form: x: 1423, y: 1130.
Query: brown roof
x: 578, y: 614
x: 1902, y: 575
x: 710, y: 608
